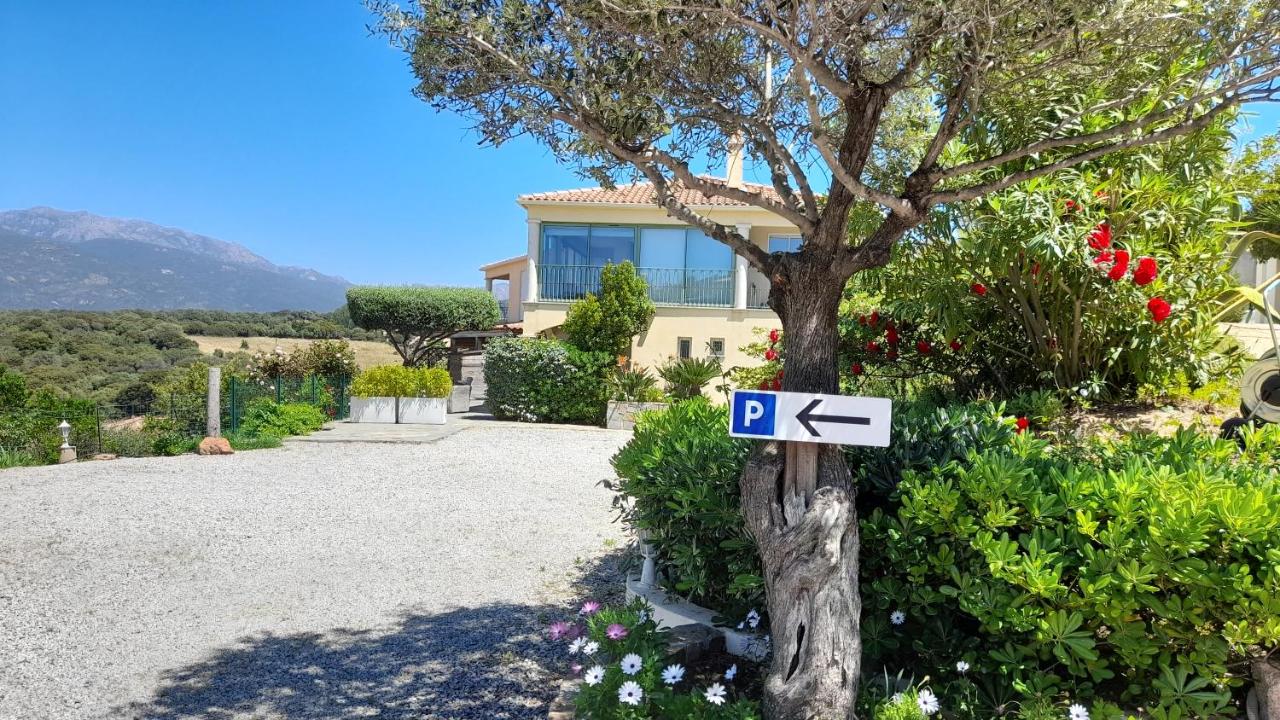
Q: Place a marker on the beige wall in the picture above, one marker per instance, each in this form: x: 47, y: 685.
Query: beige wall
x: 659, y: 344
x: 513, y: 272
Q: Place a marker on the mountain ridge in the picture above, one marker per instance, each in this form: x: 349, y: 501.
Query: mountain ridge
x: 80, y: 260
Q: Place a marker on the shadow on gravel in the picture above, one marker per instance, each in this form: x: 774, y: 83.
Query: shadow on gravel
x: 493, y: 661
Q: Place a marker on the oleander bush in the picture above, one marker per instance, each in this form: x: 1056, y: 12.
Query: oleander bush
x: 537, y: 380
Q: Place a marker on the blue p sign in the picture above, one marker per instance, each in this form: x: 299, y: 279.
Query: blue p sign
x: 753, y: 413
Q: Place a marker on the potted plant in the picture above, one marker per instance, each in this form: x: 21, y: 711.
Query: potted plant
x: 426, y: 403
x: 631, y: 392
x: 374, y: 393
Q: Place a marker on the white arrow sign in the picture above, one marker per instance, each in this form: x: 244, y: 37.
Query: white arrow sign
x: 805, y: 417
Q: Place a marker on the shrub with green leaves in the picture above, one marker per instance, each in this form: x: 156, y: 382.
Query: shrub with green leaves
x: 634, y: 384
x: 679, y: 477
x: 685, y: 377
x: 264, y: 417
x: 537, y: 380
x: 400, y: 381
x: 418, y: 320
x: 1141, y: 571
x: 608, y: 323
x: 1102, y: 279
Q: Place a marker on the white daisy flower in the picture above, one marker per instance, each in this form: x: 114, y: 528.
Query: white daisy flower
x: 591, y: 648
x: 642, y: 617
x: 594, y: 675
x: 630, y: 693
x: 897, y: 617
x: 715, y: 694
x: 673, y: 674
x: 1078, y: 712
x: 897, y: 698
x: 631, y: 664
x: 753, y: 619
x: 576, y: 646
x: 733, y: 670
x: 962, y: 667
x: 927, y: 702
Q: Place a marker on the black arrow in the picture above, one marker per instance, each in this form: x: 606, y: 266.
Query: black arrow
x: 807, y: 417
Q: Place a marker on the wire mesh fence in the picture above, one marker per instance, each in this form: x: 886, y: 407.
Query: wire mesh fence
x: 32, y: 435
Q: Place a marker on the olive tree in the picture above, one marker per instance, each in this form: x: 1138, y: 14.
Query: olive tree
x: 863, y: 115
x: 418, y: 320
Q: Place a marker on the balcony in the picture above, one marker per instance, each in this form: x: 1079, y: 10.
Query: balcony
x: 667, y: 286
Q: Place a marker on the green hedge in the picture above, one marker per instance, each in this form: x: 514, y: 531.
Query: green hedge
x: 537, y: 380
x: 400, y: 381
x: 1137, y: 572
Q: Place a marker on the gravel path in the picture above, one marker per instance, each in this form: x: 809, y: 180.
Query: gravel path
x: 314, y: 581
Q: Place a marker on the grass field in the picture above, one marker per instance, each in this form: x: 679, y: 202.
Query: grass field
x: 368, y: 353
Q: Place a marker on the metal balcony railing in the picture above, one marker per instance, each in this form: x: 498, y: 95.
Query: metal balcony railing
x: 667, y: 286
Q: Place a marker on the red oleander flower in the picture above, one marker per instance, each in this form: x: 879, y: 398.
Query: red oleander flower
x: 770, y: 354
x: 1100, y: 237
x: 891, y: 335
x: 777, y: 385
x: 1159, y: 308
x: 873, y: 346
x: 1104, y: 257
x: 955, y: 346
x: 764, y: 384
x: 875, y: 318
x: 892, y: 355
x: 856, y: 369
x: 978, y: 289
x: 862, y: 319
x: 1071, y: 205
x: 923, y: 347
x: 1023, y: 424
x: 773, y: 335
x: 1146, y: 272
x: 1121, y: 267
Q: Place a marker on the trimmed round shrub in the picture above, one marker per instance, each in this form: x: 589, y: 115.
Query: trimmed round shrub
x: 417, y: 320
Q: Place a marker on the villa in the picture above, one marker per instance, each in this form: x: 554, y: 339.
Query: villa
x: 709, y: 300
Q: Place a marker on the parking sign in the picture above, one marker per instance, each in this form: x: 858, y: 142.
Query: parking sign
x: 810, y: 417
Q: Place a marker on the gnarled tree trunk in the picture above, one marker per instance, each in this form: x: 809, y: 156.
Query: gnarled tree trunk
x: 798, y: 501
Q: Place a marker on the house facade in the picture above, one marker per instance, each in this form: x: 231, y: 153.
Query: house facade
x: 709, y: 300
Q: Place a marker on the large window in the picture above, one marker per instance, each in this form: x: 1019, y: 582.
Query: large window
x: 785, y: 243
x: 587, y: 244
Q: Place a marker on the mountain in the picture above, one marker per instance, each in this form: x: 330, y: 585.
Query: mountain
x: 80, y: 261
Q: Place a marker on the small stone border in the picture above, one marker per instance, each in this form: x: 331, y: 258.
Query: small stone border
x: 562, y: 708
x: 673, y: 611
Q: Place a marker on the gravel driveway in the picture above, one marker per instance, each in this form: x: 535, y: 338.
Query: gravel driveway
x: 334, y: 580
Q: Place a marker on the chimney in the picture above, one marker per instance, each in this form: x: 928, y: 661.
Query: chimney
x: 733, y: 161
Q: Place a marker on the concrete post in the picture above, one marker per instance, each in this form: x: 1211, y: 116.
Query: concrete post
x: 531, y: 265
x: 740, y: 271
x: 213, y: 409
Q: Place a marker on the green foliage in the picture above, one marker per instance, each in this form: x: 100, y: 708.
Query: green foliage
x: 13, y: 389
x: 1021, y: 283
x: 538, y: 380
x: 417, y: 320
x: 1140, y: 570
x: 634, y: 384
x: 241, y: 441
x: 135, y: 399
x: 16, y: 458
x: 679, y: 477
x: 610, y: 322
x: 685, y: 377
x: 326, y: 358
x: 766, y: 372
x: 1259, y: 173
x: 399, y: 381
x: 265, y: 417
x: 636, y: 633
x: 169, y: 437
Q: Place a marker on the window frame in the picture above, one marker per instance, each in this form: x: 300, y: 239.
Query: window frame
x: 684, y: 348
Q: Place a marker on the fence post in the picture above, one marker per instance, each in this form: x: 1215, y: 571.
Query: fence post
x: 97, y: 426
x: 313, y: 390
x: 213, y: 407
x: 233, y: 422
x: 279, y: 396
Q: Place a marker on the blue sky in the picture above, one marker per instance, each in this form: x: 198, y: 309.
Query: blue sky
x: 281, y: 126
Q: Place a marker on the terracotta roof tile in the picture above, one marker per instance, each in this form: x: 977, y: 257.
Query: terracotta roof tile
x: 642, y: 194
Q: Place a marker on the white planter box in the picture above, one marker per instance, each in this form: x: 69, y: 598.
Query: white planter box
x: 423, y: 411
x: 373, y: 410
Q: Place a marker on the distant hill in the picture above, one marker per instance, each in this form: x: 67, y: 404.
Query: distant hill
x: 81, y: 261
